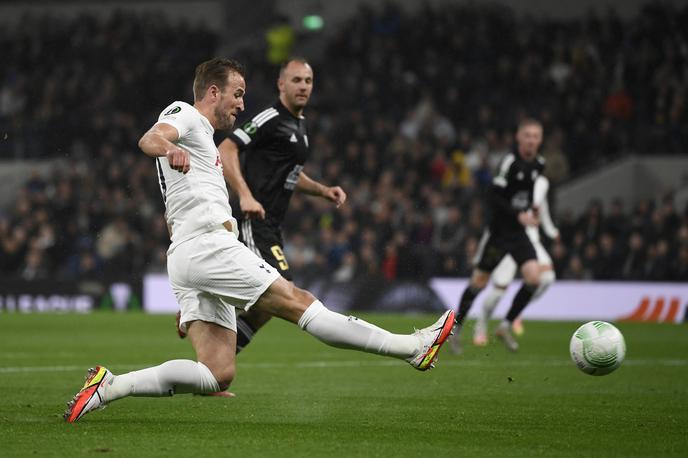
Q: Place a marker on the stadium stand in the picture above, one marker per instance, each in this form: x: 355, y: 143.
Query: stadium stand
x: 411, y: 128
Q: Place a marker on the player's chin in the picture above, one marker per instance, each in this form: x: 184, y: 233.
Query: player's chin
x: 227, y: 122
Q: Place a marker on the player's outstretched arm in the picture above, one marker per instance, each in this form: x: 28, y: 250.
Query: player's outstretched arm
x: 307, y: 185
x: 229, y: 155
x: 157, y: 142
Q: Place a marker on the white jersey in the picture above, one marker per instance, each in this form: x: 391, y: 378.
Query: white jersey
x: 198, y: 201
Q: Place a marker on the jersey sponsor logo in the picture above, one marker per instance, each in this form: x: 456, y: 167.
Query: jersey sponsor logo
x: 293, y: 138
x: 293, y: 177
x: 520, y: 201
x: 250, y: 128
x: 173, y: 110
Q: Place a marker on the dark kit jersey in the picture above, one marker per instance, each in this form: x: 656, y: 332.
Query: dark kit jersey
x: 512, y: 191
x: 274, y: 148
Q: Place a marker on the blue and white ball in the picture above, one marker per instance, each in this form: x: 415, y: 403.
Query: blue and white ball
x: 597, y: 348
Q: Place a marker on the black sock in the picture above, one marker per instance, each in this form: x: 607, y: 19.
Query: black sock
x: 467, y: 298
x: 245, y: 333
x: 521, y: 300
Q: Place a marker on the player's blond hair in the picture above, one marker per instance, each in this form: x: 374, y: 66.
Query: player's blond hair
x: 527, y: 122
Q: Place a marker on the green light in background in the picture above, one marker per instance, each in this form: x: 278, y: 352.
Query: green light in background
x: 313, y: 22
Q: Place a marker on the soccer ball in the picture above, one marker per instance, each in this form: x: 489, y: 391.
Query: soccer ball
x: 597, y: 348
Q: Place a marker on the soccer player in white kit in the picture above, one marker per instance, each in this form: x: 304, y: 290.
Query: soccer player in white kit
x: 505, y: 272
x: 212, y: 273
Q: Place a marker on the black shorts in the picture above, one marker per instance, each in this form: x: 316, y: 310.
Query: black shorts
x: 494, y: 246
x: 266, y: 242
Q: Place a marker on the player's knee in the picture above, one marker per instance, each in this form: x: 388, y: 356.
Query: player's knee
x: 479, y: 284
x: 479, y: 280
x: 531, y: 273
x: 224, y: 376
x: 221, y: 365
x: 547, y: 278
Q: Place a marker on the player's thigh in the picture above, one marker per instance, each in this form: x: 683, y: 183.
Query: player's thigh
x: 267, y: 243
x: 284, y: 300
x: 530, y: 271
x: 218, y: 264
x: 505, y: 272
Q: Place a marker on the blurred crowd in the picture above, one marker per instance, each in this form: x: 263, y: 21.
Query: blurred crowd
x: 410, y: 119
x: 84, y: 90
x: 646, y: 243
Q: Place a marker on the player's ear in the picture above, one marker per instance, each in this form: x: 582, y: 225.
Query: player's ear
x: 213, y: 91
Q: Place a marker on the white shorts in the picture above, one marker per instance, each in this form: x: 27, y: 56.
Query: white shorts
x: 506, y: 270
x: 214, y: 273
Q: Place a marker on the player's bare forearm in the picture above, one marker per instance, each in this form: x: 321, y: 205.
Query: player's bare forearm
x: 158, y: 140
x: 307, y: 185
x: 229, y: 155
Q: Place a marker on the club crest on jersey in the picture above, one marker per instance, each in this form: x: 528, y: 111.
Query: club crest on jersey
x: 293, y: 138
x: 519, y: 176
x: 173, y: 110
x: 534, y: 174
x: 250, y: 128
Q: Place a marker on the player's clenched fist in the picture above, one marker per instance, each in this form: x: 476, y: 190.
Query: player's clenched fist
x: 178, y: 159
x: 335, y: 194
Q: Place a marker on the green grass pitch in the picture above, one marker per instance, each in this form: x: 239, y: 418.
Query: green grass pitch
x: 298, y: 397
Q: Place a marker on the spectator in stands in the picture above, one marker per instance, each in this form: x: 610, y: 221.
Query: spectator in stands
x: 657, y: 267
x: 633, y: 266
x: 680, y: 267
x: 576, y: 270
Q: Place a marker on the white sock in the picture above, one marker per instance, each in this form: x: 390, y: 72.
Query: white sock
x: 350, y: 332
x: 491, y: 301
x: 171, y: 377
